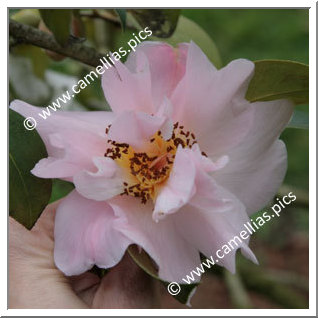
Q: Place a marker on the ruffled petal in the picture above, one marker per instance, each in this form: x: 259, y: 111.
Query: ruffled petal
x: 189, y: 182
x: 127, y: 90
x: 85, y: 234
x: 258, y: 165
x: 71, y: 139
x: 174, y: 256
x: 103, y: 184
x: 135, y: 128
x: 211, y: 196
x: 211, y: 102
x: 150, y: 74
x: 210, y: 231
x: 179, y: 188
x: 166, y: 65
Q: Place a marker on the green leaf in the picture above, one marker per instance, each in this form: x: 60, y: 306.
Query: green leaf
x: 28, y: 195
x: 27, y: 16
x: 145, y: 262
x: 58, y: 21
x: 299, y: 120
x: 122, y: 14
x: 162, y: 22
x: 60, y: 189
x: 276, y: 79
x: 39, y: 59
x: 187, y: 31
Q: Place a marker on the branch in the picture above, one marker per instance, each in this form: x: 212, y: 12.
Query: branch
x: 30, y: 35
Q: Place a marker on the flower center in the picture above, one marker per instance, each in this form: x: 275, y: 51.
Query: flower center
x: 147, y: 171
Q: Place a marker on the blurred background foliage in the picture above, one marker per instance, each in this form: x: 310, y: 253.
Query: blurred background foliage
x: 39, y: 77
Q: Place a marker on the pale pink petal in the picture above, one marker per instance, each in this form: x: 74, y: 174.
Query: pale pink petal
x: 166, y: 64
x: 103, y: 184
x: 85, y: 234
x: 205, y: 163
x: 211, y: 196
x: 135, y: 128
x: 258, y: 165
x: 209, y: 231
x: 150, y: 74
x: 189, y: 183
x: 165, y: 111
x: 179, y: 188
x: 71, y: 139
x: 208, y: 194
x: 211, y: 103
x: 174, y: 256
x: 129, y: 90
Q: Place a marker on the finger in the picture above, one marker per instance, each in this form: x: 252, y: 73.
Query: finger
x: 33, y: 247
x: 18, y: 233
x: 18, y: 237
x: 127, y: 286
x: 45, y: 223
x: 83, y: 282
x: 85, y: 286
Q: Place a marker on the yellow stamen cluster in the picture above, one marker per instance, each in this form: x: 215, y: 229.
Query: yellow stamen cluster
x: 147, y: 171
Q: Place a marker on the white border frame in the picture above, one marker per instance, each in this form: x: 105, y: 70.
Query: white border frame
x: 312, y: 161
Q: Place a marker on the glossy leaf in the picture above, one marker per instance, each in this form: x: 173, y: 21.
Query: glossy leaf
x: 162, y: 22
x: 28, y: 195
x: 60, y: 189
x: 146, y: 263
x: 187, y: 31
x: 58, y: 21
x: 276, y: 79
x: 122, y: 14
x: 299, y: 120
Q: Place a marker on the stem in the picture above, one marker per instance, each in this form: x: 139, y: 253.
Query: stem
x: 238, y: 294
x: 30, y: 35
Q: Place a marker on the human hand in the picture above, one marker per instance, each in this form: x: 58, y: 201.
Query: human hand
x: 35, y: 282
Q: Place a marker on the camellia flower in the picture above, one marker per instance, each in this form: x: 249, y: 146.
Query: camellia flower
x: 177, y: 167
